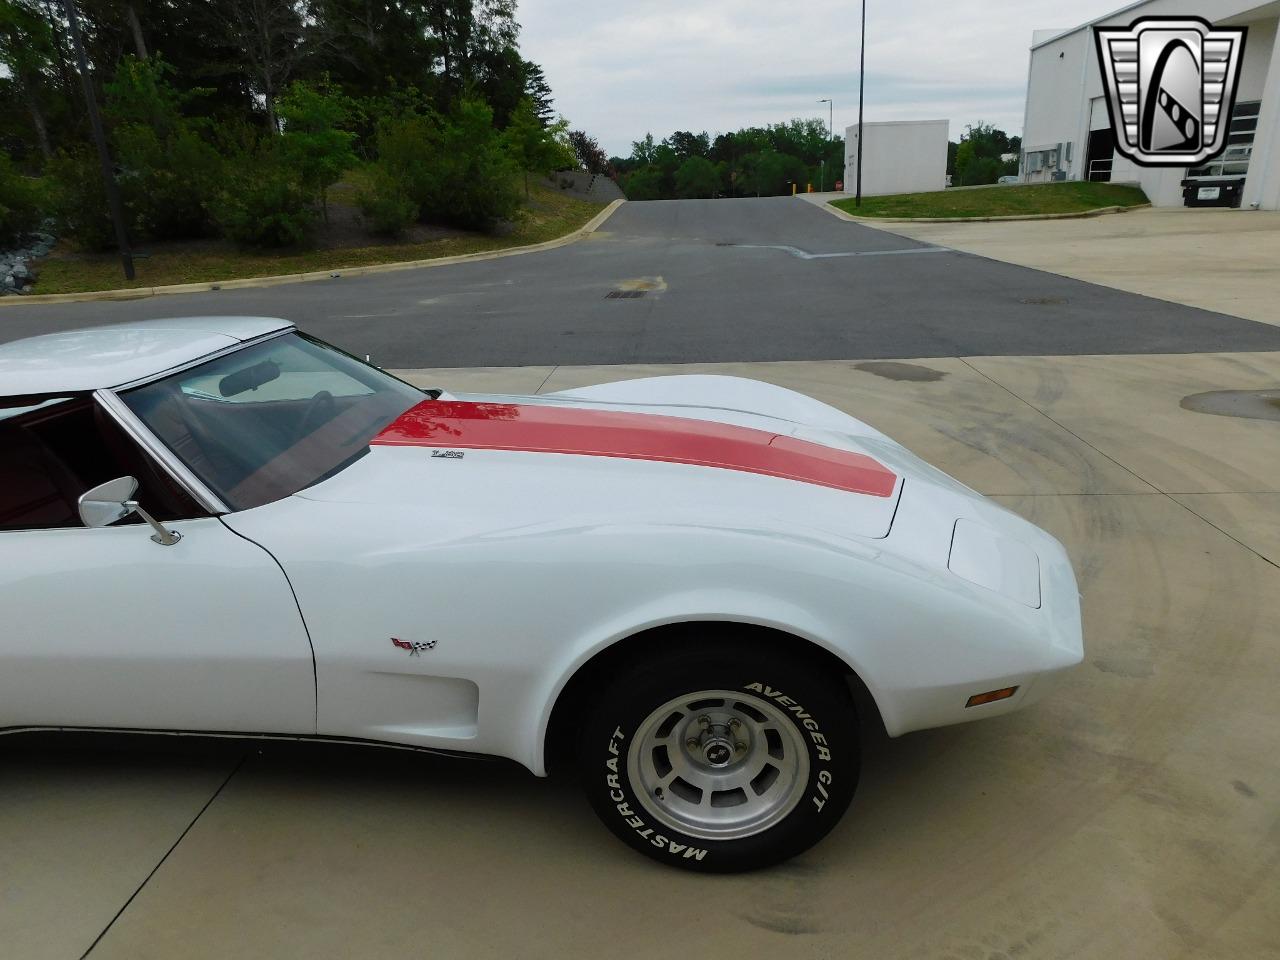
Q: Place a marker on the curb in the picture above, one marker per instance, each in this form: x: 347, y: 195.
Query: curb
x: 1079, y: 215
x: 205, y: 286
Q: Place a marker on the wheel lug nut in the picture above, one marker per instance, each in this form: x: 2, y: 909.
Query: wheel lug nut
x: 735, y: 723
x: 691, y: 743
x: 704, y: 720
x: 740, y: 746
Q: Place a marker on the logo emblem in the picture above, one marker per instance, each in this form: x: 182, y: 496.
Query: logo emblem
x: 1170, y: 84
x: 415, y: 647
x: 448, y: 454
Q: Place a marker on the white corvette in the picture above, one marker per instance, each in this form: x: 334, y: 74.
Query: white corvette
x: 689, y: 588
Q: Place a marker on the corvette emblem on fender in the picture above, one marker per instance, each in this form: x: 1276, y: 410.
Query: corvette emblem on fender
x: 415, y: 647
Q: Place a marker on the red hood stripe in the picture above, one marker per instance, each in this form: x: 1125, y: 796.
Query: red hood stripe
x: 459, y: 425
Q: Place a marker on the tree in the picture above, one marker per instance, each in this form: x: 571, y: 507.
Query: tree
x: 687, y: 144
x: 644, y: 151
x: 20, y: 203
x: 313, y: 143
x: 770, y: 174
x: 169, y: 174
x: 644, y: 183
x: 977, y: 157
x: 269, y: 35
x: 27, y: 50
x: 588, y: 152
x: 538, y: 91
x: 535, y: 148
x: 697, y: 177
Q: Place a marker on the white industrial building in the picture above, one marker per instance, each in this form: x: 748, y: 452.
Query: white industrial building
x: 1067, y: 132
x: 902, y: 156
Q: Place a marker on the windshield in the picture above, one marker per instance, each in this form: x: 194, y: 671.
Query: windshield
x: 272, y: 419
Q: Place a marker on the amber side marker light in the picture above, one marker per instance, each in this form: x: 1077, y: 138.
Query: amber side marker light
x: 991, y: 696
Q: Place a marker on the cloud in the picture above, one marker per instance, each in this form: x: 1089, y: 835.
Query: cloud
x: 621, y: 70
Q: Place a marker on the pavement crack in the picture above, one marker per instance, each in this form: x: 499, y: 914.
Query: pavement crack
x: 545, y: 379
x: 174, y: 846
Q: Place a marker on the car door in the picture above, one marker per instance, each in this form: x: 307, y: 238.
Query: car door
x: 107, y: 628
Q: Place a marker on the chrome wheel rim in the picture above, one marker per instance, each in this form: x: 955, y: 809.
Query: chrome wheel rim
x: 718, y: 764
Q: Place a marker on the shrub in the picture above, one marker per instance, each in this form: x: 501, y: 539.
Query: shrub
x: 168, y: 174
x: 697, y: 177
x: 454, y: 169
x: 407, y: 147
x: 313, y: 144
x: 644, y: 184
x: 475, y: 179
x: 78, y: 200
x: 168, y: 184
x: 22, y: 203
x: 263, y: 205
x: 386, y: 203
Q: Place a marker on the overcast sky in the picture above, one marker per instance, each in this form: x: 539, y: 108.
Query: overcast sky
x: 622, y: 69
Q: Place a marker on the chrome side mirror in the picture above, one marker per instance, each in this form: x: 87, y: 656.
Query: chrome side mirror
x: 111, y: 501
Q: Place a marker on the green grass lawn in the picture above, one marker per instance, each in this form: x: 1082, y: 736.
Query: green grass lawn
x: 1017, y: 200
x: 548, y: 215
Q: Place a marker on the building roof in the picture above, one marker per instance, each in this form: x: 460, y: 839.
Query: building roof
x: 1059, y: 34
x: 1253, y: 8
x: 76, y: 361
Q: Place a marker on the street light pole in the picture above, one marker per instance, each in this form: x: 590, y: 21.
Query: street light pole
x: 862, y: 68
x: 100, y: 140
x: 830, y: 136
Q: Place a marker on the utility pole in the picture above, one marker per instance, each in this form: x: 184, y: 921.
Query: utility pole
x: 862, y: 69
x: 100, y: 140
x: 830, y: 135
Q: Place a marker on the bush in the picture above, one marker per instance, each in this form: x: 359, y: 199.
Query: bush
x: 168, y: 174
x: 263, y: 205
x: 386, y: 203
x: 22, y: 203
x: 476, y: 182
x: 168, y: 185
x: 313, y: 144
x: 407, y: 145
x: 453, y: 169
x: 697, y: 177
x: 79, y: 201
x: 644, y: 184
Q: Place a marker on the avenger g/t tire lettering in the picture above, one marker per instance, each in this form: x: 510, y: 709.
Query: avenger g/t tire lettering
x: 726, y: 757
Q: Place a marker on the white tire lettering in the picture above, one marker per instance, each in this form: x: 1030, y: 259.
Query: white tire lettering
x: 806, y: 720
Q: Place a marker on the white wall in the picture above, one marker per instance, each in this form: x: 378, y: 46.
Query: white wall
x: 1064, y: 77
x: 908, y: 156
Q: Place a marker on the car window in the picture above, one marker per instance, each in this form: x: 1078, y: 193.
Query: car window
x: 53, y: 449
x: 267, y: 421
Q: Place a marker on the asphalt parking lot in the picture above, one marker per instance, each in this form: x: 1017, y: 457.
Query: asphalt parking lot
x: 1132, y: 814
x: 722, y: 281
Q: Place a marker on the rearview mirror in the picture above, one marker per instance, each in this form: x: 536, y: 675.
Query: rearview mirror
x: 108, y: 502
x: 111, y: 501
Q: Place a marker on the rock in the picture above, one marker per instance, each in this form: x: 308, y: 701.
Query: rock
x: 9, y: 283
x: 20, y: 271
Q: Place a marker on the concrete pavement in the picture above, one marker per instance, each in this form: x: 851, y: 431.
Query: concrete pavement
x: 1222, y: 260
x: 1131, y: 814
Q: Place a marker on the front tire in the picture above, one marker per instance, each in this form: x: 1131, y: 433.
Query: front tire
x: 723, y: 758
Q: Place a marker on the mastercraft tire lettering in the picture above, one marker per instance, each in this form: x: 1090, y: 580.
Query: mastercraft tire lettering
x: 697, y: 760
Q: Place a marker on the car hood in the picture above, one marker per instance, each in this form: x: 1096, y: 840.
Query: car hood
x: 687, y: 449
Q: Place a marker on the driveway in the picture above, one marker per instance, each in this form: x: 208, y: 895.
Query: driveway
x: 1131, y: 814
x: 1222, y: 260
x: 724, y: 280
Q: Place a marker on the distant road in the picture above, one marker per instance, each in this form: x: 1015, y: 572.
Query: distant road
x: 723, y: 280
